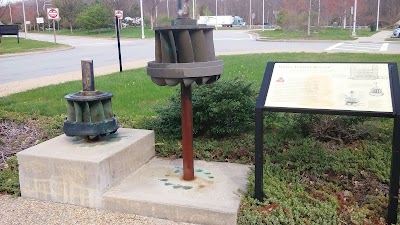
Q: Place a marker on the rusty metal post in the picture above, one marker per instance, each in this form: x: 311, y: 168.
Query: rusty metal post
x: 187, y: 132
x: 87, y: 75
x: 187, y: 114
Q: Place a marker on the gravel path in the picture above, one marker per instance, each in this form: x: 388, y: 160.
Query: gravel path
x: 22, y: 211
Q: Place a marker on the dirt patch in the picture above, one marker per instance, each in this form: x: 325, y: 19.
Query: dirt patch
x: 17, y: 137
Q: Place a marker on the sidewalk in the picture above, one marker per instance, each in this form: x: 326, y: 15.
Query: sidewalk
x: 378, y: 37
x: 24, y: 211
x: 20, y: 86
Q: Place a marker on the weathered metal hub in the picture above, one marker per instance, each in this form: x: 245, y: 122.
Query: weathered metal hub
x: 184, y: 53
x: 89, y: 112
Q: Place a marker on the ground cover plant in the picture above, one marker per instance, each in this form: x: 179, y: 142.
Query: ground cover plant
x: 318, y: 169
x: 323, y: 34
x: 129, y: 32
x: 10, y: 45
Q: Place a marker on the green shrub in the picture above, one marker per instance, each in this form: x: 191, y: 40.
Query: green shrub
x: 220, y: 109
x: 9, y: 179
x: 340, y: 129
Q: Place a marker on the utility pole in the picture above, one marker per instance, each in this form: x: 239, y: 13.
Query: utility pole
x: 319, y: 11
x: 168, y: 8
x: 194, y: 16
x: 23, y: 11
x: 309, y: 20
x: 141, y: 16
x: 216, y: 14
x: 37, y: 12
x: 355, y: 18
x: 250, y: 15
x: 9, y: 7
x: 377, y: 16
x: 37, y: 8
x: 263, y: 26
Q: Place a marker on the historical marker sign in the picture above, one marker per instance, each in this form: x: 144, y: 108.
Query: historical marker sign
x: 357, y: 89
x: 52, y: 13
x: 331, y: 86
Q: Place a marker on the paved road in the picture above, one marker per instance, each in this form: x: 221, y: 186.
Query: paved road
x: 104, y: 52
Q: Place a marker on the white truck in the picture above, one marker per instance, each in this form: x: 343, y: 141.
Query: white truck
x: 221, y: 21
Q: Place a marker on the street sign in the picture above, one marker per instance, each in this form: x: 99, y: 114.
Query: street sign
x: 119, y: 14
x: 39, y: 20
x: 52, y: 13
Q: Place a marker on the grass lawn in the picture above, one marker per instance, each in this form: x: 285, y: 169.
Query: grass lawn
x: 130, y: 32
x: 9, y: 45
x: 392, y: 39
x: 307, y: 179
x: 323, y: 34
x: 135, y: 94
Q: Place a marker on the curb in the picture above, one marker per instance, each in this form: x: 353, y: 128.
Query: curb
x: 38, y: 51
x: 296, y: 40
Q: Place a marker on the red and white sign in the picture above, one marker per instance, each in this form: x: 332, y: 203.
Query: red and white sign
x: 53, y: 14
x: 119, y: 14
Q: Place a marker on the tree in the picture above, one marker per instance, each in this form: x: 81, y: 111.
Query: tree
x: 70, y: 10
x: 95, y: 16
x: 3, y: 8
x: 293, y: 15
x: 135, y: 10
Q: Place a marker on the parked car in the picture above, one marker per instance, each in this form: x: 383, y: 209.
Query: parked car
x: 268, y: 25
x: 396, y: 32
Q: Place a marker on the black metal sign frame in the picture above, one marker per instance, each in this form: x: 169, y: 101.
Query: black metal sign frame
x: 395, y: 161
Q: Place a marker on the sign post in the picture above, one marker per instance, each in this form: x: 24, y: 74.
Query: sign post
x: 53, y: 14
x: 119, y: 44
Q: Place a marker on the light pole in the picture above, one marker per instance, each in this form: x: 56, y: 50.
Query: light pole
x: 168, y: 8
x: 37, y: 12
x: 9, y: 7
x: 141, y: 16
x: 355, y: 17
x: 377, y: 16
x: 263, y: 15
x: 319, y: 11
x: 37, y: 8
x: 194, y: 2
x: 23, y: 11
x: 216, y: 14
x: 309, y: 20
x: 250, y: 15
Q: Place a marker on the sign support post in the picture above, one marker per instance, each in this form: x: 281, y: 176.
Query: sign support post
x: 54, y: 31
x: 119, y: 44
x: 394, y: 174
x: 259, y: 156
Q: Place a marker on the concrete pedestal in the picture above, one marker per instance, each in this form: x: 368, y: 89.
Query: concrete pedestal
x: 67, y: 170
x: 157, y: 190
x: 120, y: 174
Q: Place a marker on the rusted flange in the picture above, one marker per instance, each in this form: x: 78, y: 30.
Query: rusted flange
x: 172, y: 74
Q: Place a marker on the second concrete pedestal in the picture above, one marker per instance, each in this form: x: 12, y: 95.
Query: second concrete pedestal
x: 68, y: 170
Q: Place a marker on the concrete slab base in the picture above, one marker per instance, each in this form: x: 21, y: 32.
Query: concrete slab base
x: 69, y: 170
x: 157, y: 190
